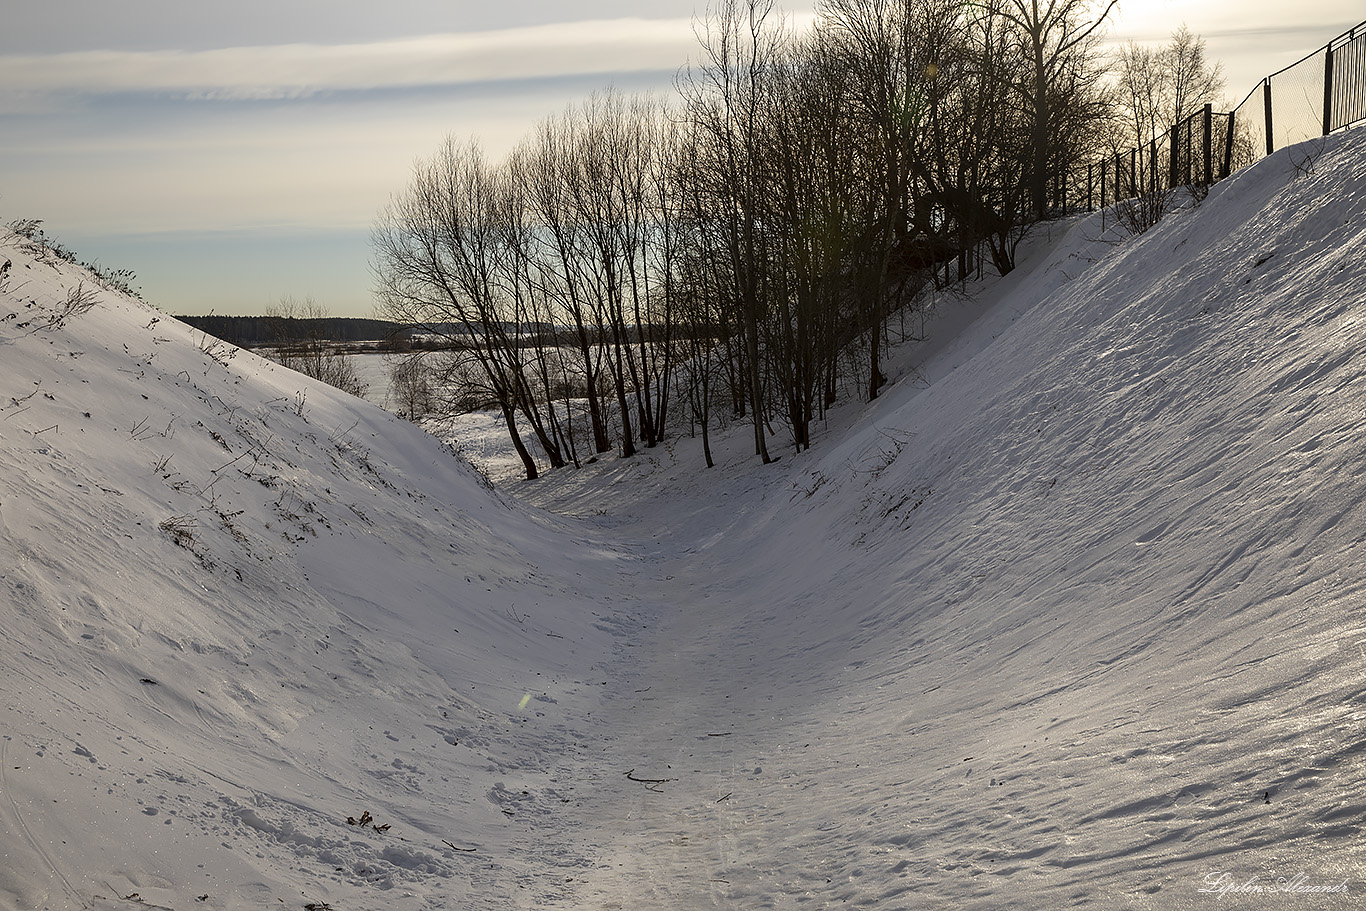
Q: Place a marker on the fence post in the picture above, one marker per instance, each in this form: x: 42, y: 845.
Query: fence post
x: 1175, y: 157
x: 1189, y: 177
x: 1090, y: 170
x: 1328, y: 90
x: 1102, y: 183
x: 1228, y: 148
x: 1266, y: 103
x: 1209, y: 144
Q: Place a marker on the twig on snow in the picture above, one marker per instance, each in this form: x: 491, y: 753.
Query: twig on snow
x: 631, y: 775
x: 454, y: 848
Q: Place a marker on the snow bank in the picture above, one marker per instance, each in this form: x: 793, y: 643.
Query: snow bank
x: 241, y: 607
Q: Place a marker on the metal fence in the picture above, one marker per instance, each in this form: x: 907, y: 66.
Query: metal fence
x: 1318, y: 94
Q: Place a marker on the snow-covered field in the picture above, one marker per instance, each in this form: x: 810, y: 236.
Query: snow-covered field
x: 1070, y: 617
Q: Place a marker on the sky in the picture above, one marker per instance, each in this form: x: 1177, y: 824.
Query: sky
x: 233, y: 156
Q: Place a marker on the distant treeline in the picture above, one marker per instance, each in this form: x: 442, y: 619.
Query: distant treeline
x: 254, y: 331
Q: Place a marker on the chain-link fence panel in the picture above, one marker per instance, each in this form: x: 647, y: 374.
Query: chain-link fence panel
x: 1249, y: 129
x: 1297, y: 102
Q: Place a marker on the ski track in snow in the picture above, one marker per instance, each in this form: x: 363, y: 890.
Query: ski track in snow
x: 1069, y: 617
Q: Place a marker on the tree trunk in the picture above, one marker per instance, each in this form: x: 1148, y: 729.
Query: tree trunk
x: 527, y: 461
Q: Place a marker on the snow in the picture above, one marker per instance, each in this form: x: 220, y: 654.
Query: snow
x: 1068, y: 617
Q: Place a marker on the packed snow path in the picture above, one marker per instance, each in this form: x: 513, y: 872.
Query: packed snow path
x: 1069, y: 617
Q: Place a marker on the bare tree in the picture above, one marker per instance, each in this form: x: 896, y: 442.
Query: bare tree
x: 662, y: 261
x: 701, y: 292
x: 818, y: 209
x: 411, y: 385
x: 523, y: 315
x: 1058, y: 41
x: 607, y: 229
x: 437, y: 250
x: 875, y: 62
x: 547, y: 168
x: 302, y: 342
x: 1159, y: 87
x: 724, y: 98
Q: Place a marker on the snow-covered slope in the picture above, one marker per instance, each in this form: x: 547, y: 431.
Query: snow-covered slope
x: 240, y: 607
x: 1076, y: 620
x: 1069, y: 617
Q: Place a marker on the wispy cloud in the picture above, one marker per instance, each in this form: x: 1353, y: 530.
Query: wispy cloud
x: 303, y: 70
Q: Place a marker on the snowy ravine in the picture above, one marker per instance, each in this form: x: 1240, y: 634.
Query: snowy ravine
x: 1070, y: 617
